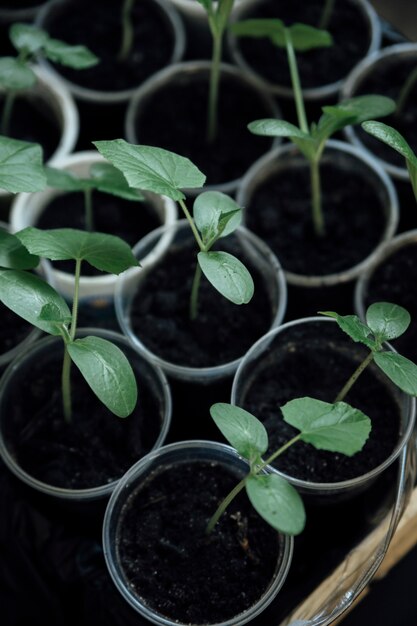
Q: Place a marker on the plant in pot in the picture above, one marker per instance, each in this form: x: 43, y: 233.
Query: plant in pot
x: 181, y: 322
x: 58, y: 438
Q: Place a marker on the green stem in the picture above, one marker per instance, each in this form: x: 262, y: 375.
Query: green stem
x: 223, y: 505
x: 405, y: 91
x: 326, y: 14
x: 127, y: 30
x: 88, y: 204
x: 214, y: 87
x: 7, y: 112
x: 278, y: 452
x: 193, y: 226
x: 194, y: 292
x: 296, y: 84
x: 344, y: 391
x: 66, y: 366
x: 315, y: 183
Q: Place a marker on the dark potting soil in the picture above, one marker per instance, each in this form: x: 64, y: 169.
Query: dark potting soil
x: 395, y: 280
x: 115, y: 216
x: 97, y: 25
x: 316, y: 363
x: 387, y: 79
x: 319, y: 67
x: 13, y: 329
x: 176, y: 119
x: 170, y: 562
x: 95, y: 448
x: 33, y: 120
x: 222, y: 331
x: 280, y: 213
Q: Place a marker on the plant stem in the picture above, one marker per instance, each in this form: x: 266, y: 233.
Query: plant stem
x: 194, y: 292
x: 296, y: 84
x: 66, y: 366
x: 315, y: 183
x: 127, y: 30
x: 223, y: 505
x: 193, y: 226
x: 214, y: 87
x: 326, y: 14
x: 343, y: 392
x: 7, y: 111
x: 278, y: 452
x: 405, y: 92
x: 88, y: 205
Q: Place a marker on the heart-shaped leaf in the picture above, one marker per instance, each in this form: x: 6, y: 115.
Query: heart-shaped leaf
x: 228, y: 275
x: 216, y: 215
x: 387, y: 321
x: 241, y: 429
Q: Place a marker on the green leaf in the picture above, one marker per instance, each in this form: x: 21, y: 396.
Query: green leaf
x: 27, y: 37
x: 104, y: 252
x: 109, y: 179
x: 228, y: 275
x: 26, y: 295
x: 21, y: 167
x: 65, y: 180
x: 352, y: 326
x: 206, y: 4
x: 305, y: 37
x: 400, y: 370
x: 77, y: 57
x: 260, y: 28
x: 387, y: 321
x: 52, y: 313
x: 15, y: 75
x: 354, y: 111
x: 276, y: 128
x: 392, y: 138
x: 337, y: 427
x: 152, y: 169
x: 107, y: 371
x: 241, y: 429
x: 216, y: 215
x: 13, y: 254
x: 277, y: 502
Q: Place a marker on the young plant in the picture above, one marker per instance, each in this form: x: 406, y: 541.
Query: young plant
x: 311, y: 140
x: 103, y: 365
x: 336, y: 427
x: 127, y: 30
x: 16, y: 73
x: 218, y: 14
x: 215, y: 214
x: 395, y: 140
x: 103, y: 177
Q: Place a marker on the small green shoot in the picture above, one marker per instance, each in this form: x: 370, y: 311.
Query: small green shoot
x: 311, y: 140
x: 127, y: 30
x: 103, y: 177
x: 16, y: 73
x: 395, y: 140
x: 218, y: 14
x: 215, y: 214
x: 103, y: 365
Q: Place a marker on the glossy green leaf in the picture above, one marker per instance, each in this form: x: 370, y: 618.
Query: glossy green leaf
x: 392, y: 138
x: 276, y: 128
x: 104, y: 252
x: 52, y: 313
x: 27, y: 37
x: 26, y: 294
x: 21, y: 167
x: 400, y: 370
x: 15, y: 75
x: 387, y: 321
x: 152, y: 169
x: 107, y: 371
x: 108, y: 179
x: 363, y: 108
x: 277, y: 502
x: 216, y: 215
x: 337, y: 427
x: 13, y: 254
x: 352, y: 326
x: 77, y: 57
x: 228, y: 275
x: 241, y: 429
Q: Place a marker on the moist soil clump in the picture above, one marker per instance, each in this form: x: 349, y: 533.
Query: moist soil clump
x: 94, y: 449
x: 280, y: 213
x: 222, y: 331
x: 176, y: 119
x: 322, y: 66
x: 318, y: 365
x: 170, y: 562
x: 97, y: 25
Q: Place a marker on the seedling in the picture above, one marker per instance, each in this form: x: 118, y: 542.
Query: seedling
x: 311, y: 141
x: 103, y: 365
x: 127, y: 30
x: 103, y: 177
x: 218, y: 14
x: 395, y: 140
x: 215, y: 214
x: 16, y: 73
x: 336, y: 427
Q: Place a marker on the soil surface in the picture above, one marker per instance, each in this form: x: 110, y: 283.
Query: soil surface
x: 319, y: 67
x: 95, y: 448
x: 222, y: 331
x: 97, y: 25
x: 176, y: 119
x: 170, y: 562
x: 279, y: 212
x: 126, y: 219
x: 318, y: 364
